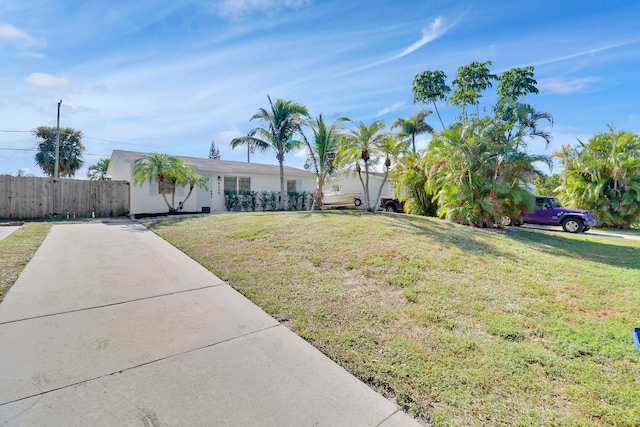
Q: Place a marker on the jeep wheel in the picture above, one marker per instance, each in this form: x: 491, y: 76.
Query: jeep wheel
x: 506, y: 221
x: 390, y: 207
x: 573, y: 225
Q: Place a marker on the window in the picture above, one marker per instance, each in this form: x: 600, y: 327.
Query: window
x: 235, y: 183
x: 292, y: 186
x: 244, y: 183
x: 168, y: 187
x: 230, y: 183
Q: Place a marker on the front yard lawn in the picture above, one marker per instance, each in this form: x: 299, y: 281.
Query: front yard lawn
x: 461, y: 326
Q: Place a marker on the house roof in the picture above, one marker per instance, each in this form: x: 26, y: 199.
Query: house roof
x: 222, y: 166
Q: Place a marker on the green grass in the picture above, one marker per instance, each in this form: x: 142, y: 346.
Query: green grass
x: 17, y: 249
x: 460, y: 326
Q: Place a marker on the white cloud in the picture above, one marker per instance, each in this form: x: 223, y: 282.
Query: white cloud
x: 8, y: 31
x: 394, y: 107
x: 236, y: 8
x: 36, y: 55
x: 566, y: 86
x: 585, y: 52
x: 435, y: 29
x: 46, y: 80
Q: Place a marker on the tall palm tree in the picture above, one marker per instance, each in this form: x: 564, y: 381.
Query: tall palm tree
x: 98, y: 172
x: 363, y: 148
x: 281, y: 122
x: 413, y: 126
x: 322, y: 153
x: 70, y: 150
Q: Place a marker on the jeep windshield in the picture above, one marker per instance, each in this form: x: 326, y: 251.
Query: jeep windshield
x: 555, y: 202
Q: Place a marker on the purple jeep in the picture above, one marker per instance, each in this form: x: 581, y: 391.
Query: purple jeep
x: 550, y: 212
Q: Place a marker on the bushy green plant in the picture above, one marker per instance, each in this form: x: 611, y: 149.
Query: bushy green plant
x: 604, y: 177
x: 293, y: 200
x: 248, y: 200
x: 231, y: 199
x: 263, y: 200
x: 274, y: 200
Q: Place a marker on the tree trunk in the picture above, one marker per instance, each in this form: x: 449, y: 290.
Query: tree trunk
x: 283, y: 195
x: 386, y: 173
x: 317, y: 198
x: 438, y: 113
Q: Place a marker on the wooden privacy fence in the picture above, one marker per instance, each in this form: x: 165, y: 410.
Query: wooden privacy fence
x: 32, y: 198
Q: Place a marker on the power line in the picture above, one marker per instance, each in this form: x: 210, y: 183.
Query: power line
x: 35, y: 149
x: 89, y: 137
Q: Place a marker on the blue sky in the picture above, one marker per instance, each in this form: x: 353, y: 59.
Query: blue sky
x: 171, y: 76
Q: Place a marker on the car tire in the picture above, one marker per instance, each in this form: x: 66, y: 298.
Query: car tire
x: 357, y: 201
x: 572, y: 225
x: 506, y: 221
x: 390, y: 207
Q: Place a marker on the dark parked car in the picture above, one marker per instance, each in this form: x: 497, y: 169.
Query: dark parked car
x: 550, y: 212
x: 390, y: 205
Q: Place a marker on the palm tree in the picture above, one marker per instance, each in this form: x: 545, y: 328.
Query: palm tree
x: 604, y: 177
x: 363, y: 148
x: 70, y: 150
x: 322, y: 153
x: 189, y: 176
x: 281, y: 122
x: 161, y: 167
x: 410, y: 176
x: 98, y: 172
x: 478, y: 177
x: 413, y: 126
x: 165, y: 168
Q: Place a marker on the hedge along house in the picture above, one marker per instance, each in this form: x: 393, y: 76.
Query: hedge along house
x: 224, y: 175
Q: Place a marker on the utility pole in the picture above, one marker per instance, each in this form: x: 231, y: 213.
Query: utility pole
x: 57, y: 160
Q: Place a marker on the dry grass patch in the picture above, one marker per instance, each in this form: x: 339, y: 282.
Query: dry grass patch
x: 17, y: 249
x: 461, y: 326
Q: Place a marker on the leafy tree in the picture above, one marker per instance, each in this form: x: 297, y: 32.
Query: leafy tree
x: 430, y: 86
x: 410, y: 180
x: 604, y: 177
x: 214, y: 153
x: 477, y: 169
x: 165, y: 168
x: 478, y: 178
x: 470, y: 81
x: 413, y: 126
x: 23, y: 172
x: 70, y: 150
x: 364, y: 147
x: 281, y: 122
x: 322, y: 152
x: 98, y: 172
x: 516, y: 83
x: 547, y: 185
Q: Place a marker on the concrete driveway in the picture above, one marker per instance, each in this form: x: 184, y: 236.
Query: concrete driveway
x: 592, y: 232
x: 110, y: 325
x: 6, y: 230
